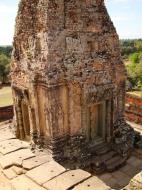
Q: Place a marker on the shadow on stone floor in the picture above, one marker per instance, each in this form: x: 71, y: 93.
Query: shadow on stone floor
x: 120, y: 178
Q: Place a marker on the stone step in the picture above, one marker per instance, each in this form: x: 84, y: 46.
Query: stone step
x: 114, y: 163
x: 94, y: 148
x: 101, y: 145
x: 139, y: 144
x: 97, y: 142
x: 108, y: 156
x: 105, y: 158
x: 96, y: 165
x: 102, y: 148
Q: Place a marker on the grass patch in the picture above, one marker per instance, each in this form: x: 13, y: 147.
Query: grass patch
x: 6, y: 96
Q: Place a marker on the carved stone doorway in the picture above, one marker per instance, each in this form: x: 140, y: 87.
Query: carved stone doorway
x: 97, y: 131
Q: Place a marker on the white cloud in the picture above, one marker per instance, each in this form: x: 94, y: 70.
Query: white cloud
x: 7, y: 20
x: 6, y: 9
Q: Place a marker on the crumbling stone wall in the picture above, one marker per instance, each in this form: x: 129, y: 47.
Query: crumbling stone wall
x: 66, y: 58
x: 6, y: 113
x: 133, y: 110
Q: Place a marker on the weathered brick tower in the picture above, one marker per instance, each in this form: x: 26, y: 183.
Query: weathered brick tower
x: 68, y: 79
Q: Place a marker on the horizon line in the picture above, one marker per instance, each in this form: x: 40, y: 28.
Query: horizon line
x: 119, y: 39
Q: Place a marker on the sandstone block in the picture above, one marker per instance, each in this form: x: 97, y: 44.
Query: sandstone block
x: 6, y: 134
x: 24, y: 183
x: 15, y: 158
x: 9, y: 173
x: 12, y: 145
x: 136, y: 182
x: 93, y: 183
x: 67, y: 180
x: 5, y: 187
x: 45, y: 172
x: 18, y: 170
x: 35, y: 162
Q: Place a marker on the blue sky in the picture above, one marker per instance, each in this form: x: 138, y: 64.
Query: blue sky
x: 126, y: 15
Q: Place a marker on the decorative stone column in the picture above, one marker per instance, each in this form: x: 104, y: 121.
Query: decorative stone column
x: 20, y: 120
x: 109, y: 116
x: 33, y: 129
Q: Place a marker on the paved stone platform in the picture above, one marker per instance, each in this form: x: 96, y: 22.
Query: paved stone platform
x: 35, y: 161
x: 91, y: 183
x: 8, y: 146
x: 21, y: 169
x: 45, y: 172
x: 67, y: 180
x: 120, y: 178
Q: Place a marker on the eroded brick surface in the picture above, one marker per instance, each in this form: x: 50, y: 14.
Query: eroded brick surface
x: 68, y: 79
x: 133, y: 111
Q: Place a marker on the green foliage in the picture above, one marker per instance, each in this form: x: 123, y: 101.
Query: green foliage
x: 130, y: 46
x: 6, y: 50
x: 134, y: 71
x: 4, y: 63
x: 132, y: 50
x: 135, y: 57
x: 138, y: 44
x: 139, y: 75
x: 4, y: 59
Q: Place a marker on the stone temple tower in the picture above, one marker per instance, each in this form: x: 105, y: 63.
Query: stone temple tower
x: 68, y: 79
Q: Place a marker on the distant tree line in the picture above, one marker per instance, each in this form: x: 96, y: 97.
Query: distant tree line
x: 5, y: 54
x: 130, y: 46
x: 132, y: 55
x: 6, y: 50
